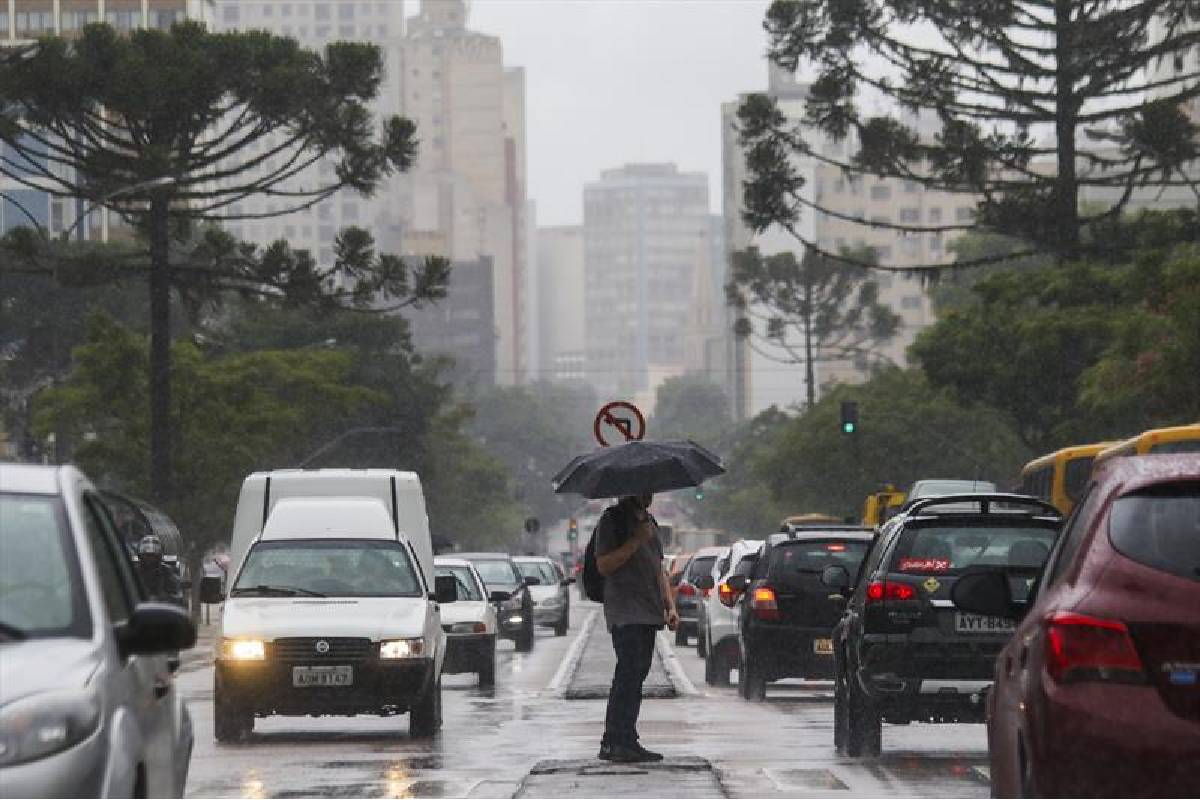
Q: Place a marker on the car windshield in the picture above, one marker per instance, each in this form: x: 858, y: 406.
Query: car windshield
x: 328, y: 567
x: 542, y: 570
x: 1160, y: 527
x: 40, y: 588
x: 468, y: 588
x: 497, y: 572
x: 951, y: 548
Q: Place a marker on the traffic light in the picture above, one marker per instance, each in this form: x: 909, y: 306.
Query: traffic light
x: 699, y: 494
x: 572, y: 530
x: 849, y: 416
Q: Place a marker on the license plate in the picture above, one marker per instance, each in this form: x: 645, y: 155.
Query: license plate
x: 322, y: 676
x: 823, y: 647
x: 978, y: 623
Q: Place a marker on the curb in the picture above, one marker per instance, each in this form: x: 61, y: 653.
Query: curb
x: 675, y: 672
x: 570, y: 664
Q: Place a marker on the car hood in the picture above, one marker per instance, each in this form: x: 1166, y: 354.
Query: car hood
x: 540, y: 593
x: 465, y: 611
x: 37, y: 665
x: 370, y: 617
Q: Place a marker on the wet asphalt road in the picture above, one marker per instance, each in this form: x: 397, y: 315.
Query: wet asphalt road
x: 491, y: 740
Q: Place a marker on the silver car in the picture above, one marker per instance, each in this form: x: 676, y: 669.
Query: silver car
x: 551, y: 599
x: 88, y: 706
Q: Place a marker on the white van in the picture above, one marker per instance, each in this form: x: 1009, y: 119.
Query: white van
x: 330, y: 609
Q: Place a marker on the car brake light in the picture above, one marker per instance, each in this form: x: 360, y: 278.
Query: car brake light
x: 878, y: 591
x: 726, y: 594
x: 706, y: 593
x: 764, y: 603
x: 687, y: 590
x: 835, y: 548
x: 1083, y: 648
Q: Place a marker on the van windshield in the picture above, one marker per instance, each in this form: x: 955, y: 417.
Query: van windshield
x: 328, y: 568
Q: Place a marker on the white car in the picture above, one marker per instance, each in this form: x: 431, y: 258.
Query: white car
x: 88, y: 706
x: 551, y: 598
x: 717, y: 636
x: 469, y: 622
x: 330, y: 612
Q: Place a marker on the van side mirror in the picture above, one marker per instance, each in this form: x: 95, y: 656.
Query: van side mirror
x: 531, y: 580
x: 835, y: 576
x: 211, y: 590
x: 706, y: 583
x: 738, y: 583
x: 566, y: 581
x: 445, y: 589
x: 985, y: 591
x: 500, y: 596
x: 155, y: 628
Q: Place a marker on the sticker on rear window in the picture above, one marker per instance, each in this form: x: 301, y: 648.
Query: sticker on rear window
x: 924, y: 564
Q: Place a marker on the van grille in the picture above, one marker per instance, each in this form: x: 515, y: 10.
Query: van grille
x: 341, y: 649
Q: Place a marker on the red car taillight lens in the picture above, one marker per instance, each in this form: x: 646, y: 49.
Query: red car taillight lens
x: 726, y: 595
x: 1083, y: 648
x: 878, y: 591
x: 764, y: 603
x: 687, y: 590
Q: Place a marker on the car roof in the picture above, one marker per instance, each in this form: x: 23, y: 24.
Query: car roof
x: 442, y: 561
x: 952, y: 506
x: 527, y: 559
x: 329, y: 518
x: 484, y: 556
x: 857, y: 533
x: 705, y: 552
x: 1137, y: 472
x: 31, y: 478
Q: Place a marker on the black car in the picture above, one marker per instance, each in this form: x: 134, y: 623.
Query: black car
x: 903, y: 652
x: 509, y: 592
x: 787, y: 613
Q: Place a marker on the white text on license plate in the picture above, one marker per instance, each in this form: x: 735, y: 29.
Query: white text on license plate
x: 322, y: 676
x: 978, y: 623
x: 823, y: 647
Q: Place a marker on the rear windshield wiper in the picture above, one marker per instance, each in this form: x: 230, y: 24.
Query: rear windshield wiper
x: 286, y: 591
x: 12, y: 632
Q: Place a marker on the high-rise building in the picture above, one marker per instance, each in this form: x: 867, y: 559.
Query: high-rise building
x: 561, y: 295
x: 462, y: 325
x: 646, y: 231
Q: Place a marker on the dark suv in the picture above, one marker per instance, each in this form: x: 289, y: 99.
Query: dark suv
x: 508, y: 591
x: 904, y: 653
x: 787, y: 613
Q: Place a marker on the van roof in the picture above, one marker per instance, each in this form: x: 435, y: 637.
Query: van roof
x: 329, y: 518
x: 336, y: 472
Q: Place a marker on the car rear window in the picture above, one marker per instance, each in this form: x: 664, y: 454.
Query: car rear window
x: 792, y: 559
x: 700, y: 567
x: 948, y: 549
x: 1160, y: 527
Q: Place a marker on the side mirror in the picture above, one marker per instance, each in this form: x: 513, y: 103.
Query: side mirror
x: 566, y: 581
x: 984, y: 591
x: 739, y: 583
x: 211, y: 590
x: 706, y: 583
x: 531, y: 580
x: 155, y: 628
x: 835, y: 576
x: 445, y: 589
x: 500, y: 596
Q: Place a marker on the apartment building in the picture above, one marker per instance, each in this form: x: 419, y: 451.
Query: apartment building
x: 562, y: 289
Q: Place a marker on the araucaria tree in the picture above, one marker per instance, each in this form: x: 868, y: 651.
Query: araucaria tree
x: 173, y: 129
x: 811, y: 310
x: 1032, y: 101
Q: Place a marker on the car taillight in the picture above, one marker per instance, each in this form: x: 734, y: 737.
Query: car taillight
x: 878, y: 591
x: 764, y: 604
x: 1083, y: 648
x: 706, y: 592
x: 726, y: 595
x: 687, y: 590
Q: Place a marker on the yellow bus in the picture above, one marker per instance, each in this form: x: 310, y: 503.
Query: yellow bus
x: 1060, y: 477
x: 880, y: 505
x: 1179, y: 439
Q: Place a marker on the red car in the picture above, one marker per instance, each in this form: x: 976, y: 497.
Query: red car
x: 1098, y: 691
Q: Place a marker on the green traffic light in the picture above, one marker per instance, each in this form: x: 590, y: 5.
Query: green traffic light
x: 699, y: 494
x: 848, y: 427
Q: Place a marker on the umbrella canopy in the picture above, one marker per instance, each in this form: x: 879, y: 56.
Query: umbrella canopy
x: 638, y: 468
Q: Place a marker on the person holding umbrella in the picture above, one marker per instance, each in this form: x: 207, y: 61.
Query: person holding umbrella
x: 637, y: 595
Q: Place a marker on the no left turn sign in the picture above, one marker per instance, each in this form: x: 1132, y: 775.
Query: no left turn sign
x: 619, y: 422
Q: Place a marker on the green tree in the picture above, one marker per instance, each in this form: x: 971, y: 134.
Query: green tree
x: 692, y: 407
x: 816, y: 309
x: 1008, y: 84
x: 171, y: 129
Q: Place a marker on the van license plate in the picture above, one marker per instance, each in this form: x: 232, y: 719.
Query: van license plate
x: 823, y: 647
x: 978, y: 623
x: 322, y: 676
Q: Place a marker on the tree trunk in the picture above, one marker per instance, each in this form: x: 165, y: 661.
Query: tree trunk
x: 160, y: 351
x: 809, y: 373
x: 1066, y: 190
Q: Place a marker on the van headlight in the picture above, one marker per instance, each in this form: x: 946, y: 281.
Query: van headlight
x: 48, y: 723
x: 243, y: 649
x: 402, y: 648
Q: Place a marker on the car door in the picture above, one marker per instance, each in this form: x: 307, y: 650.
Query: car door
x: 146, y: 685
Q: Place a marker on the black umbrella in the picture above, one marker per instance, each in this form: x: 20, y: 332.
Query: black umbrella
x: 638, y: 468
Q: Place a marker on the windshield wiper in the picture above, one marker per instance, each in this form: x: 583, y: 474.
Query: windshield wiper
x: 286, y: 591
x: 12, y: 632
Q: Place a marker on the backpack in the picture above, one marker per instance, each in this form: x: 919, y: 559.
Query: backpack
x: 593, y: 581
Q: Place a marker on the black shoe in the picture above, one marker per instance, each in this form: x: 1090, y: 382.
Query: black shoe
x: 648, y: 755
x: 605, y: 753
x: 620, y: 754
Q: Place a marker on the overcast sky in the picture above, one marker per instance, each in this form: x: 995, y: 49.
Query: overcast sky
x: 616, y: 81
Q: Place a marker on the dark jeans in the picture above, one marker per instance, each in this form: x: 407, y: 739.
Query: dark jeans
x: 634, y: 645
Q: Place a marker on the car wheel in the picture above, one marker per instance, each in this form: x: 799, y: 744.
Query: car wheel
x: 839, y: 713
x: 1028, y: 779
x: 564, y: 623
x: 425, y: 718
x: 710, y: 669
x: 864, y: 729
x: 487, y: 670
x: 702, y: 643
x: 231, y: 724
x: 681, y: 637
x: 524, y: 639
x: 753, y: 681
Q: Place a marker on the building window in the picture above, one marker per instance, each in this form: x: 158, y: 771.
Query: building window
x: 322, y: 31
x: 965, y: 214
x: 884, y: 254
x: 33, y: 23
x: 881, y: 191
x: 124, y: 19
x: 935, y: 215
x: 268, y: 10
x: 231, y: 14
x: 884, y: 281
x: 71, y: 20
x: 346, y: 11
x: 910, y: 187
x: 321, y: 12
x: 911, y: 302
x: 935, y: 244
x: 910, y: 246
x: 285, y: 10
x: 163, y: 19
x: 910, y: 215
x: 346, y: 31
